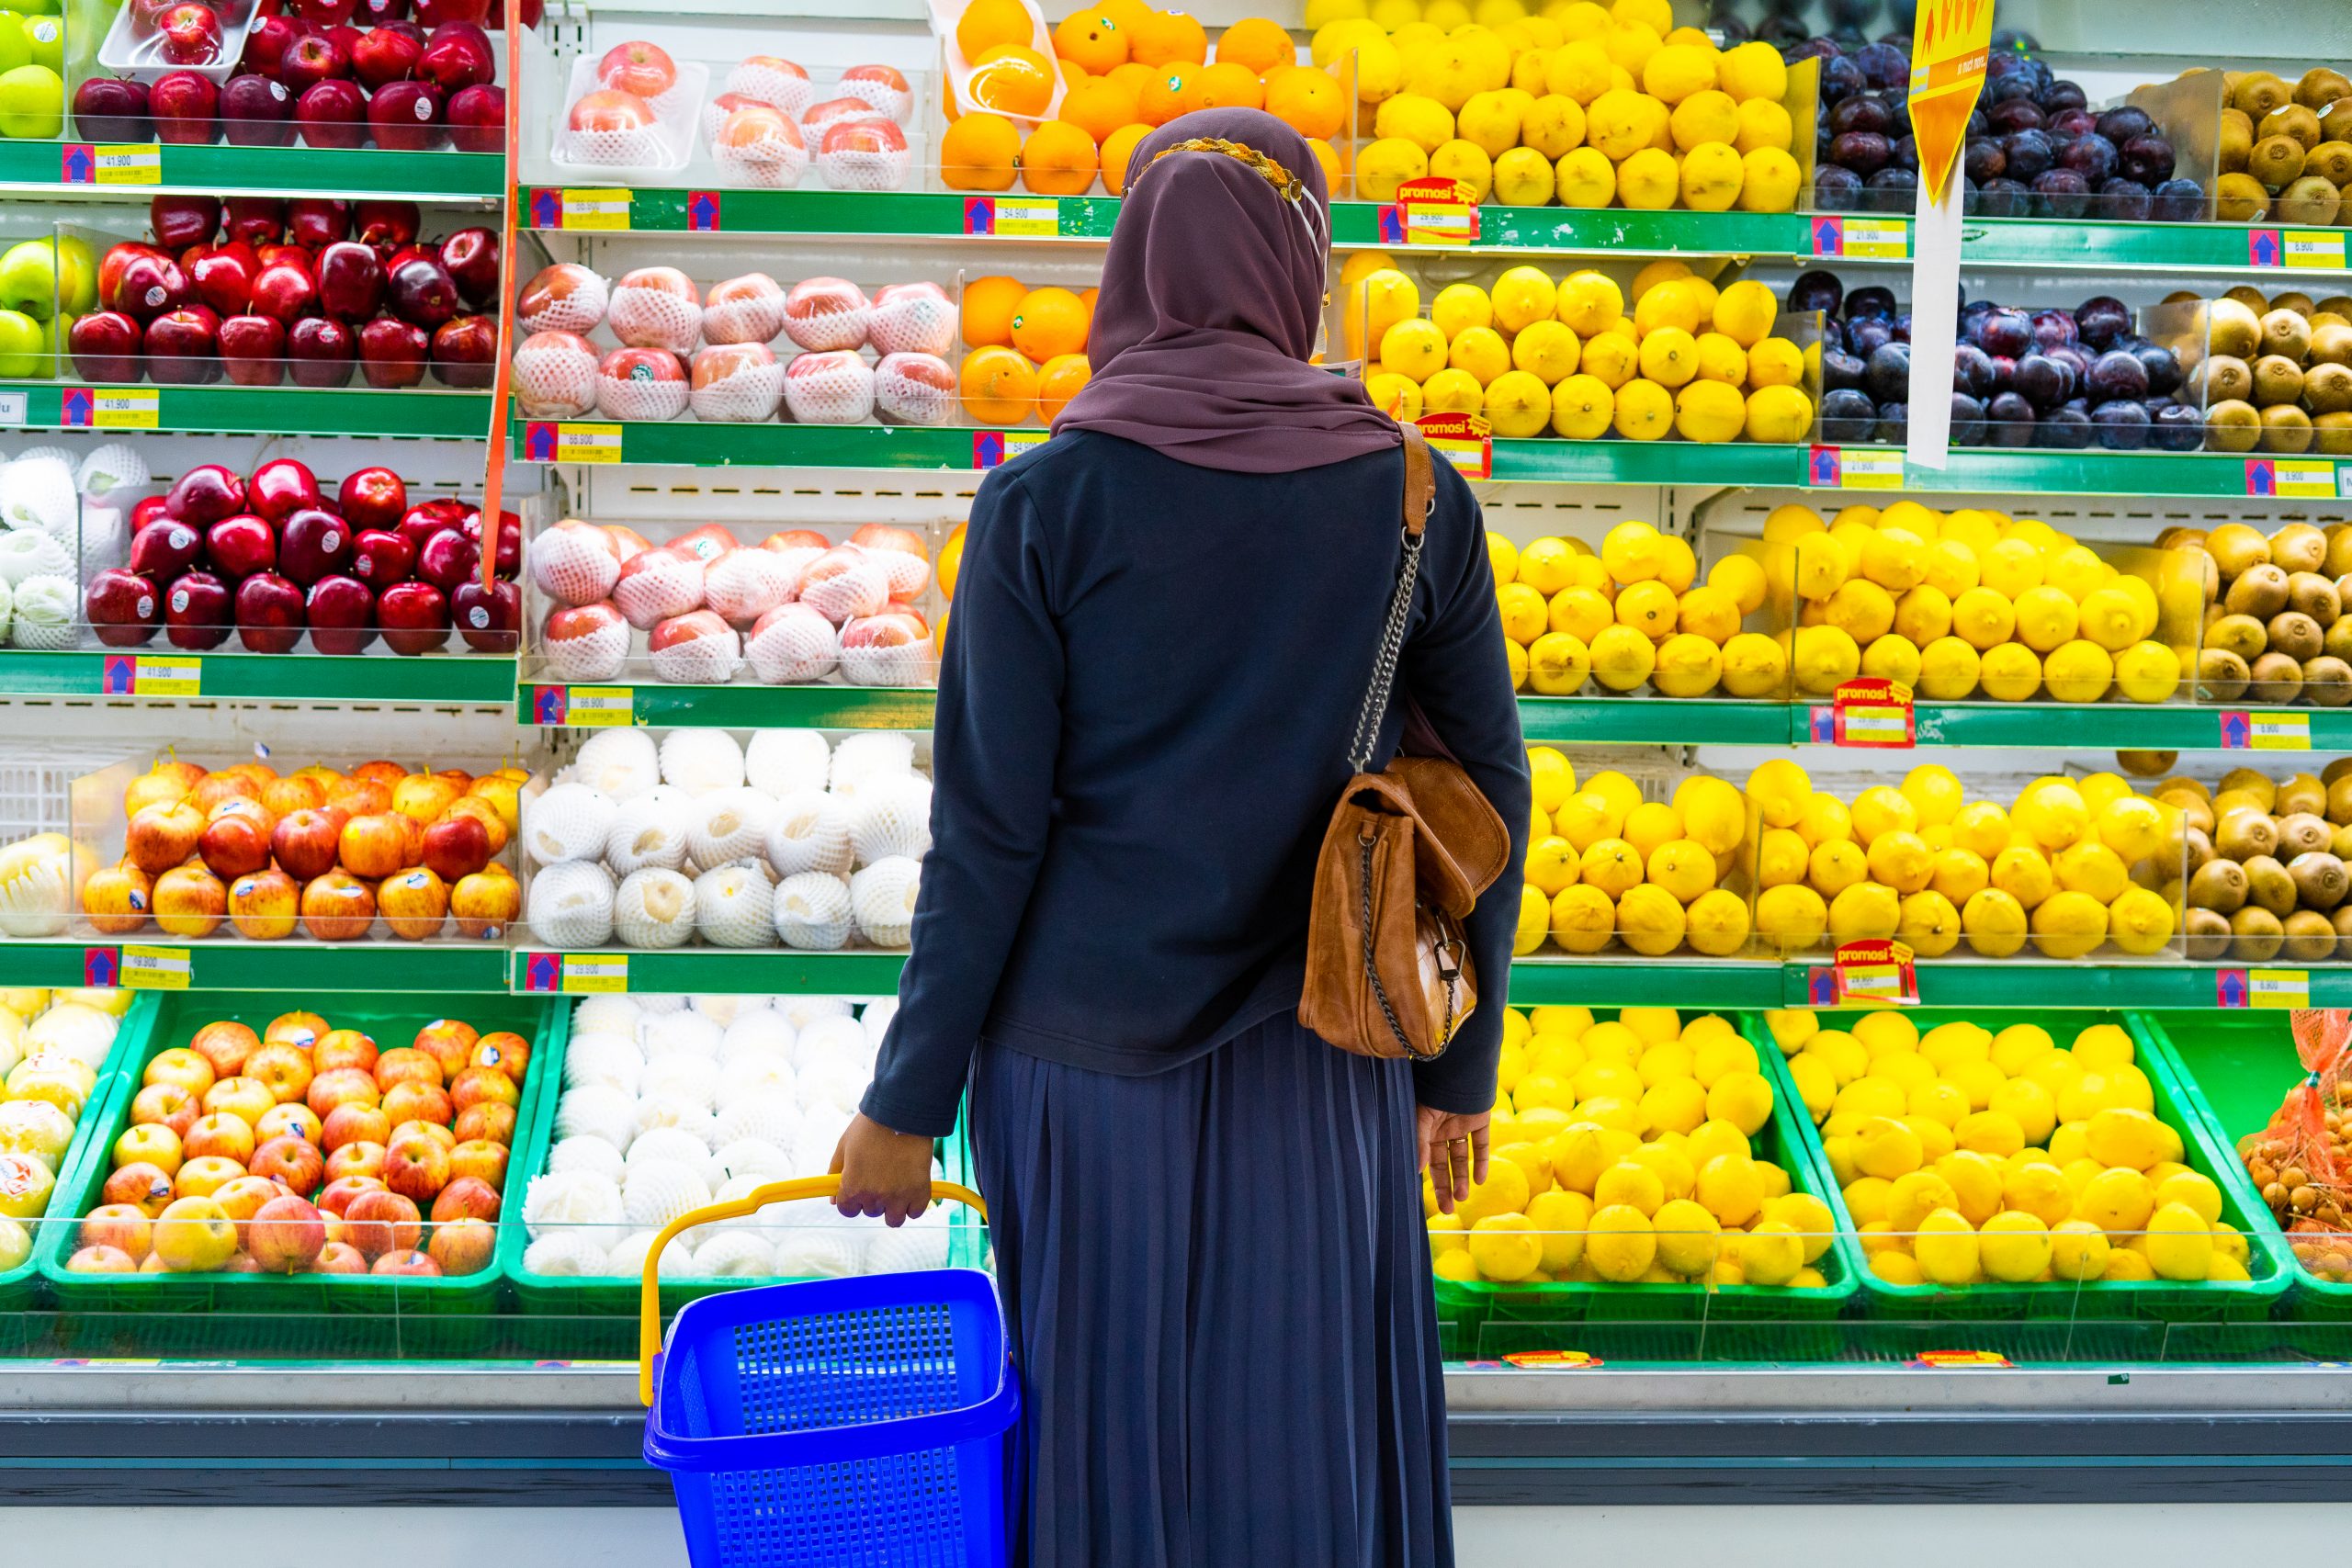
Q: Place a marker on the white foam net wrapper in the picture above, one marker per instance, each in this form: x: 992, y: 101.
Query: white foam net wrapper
x: 655, y: 318
x: 793, y: 95
x: 885, y: 664
x: 662, y: 585
x: 626, y: 398
x: 574, y: 563
x: 582, y: 310
x: 884, y: 99
x: 753, y: 318
x: 742, y: 585
x: 770, y: 163
x: 904, y: 395
x: 862, y: 587
x: 811, y: 831
x: 554, y: 380
x: 597, y: 657
x: 837, y: 391
x: 746, y: 396
x: 913, y: 320
x: 855, y: 168
x: 826, y: 313
x: 812, y: 912
x: 708, y: 660
x: 644, y: 145
x: 796, y: 645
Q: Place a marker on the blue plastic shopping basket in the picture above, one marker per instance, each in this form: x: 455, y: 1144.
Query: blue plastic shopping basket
x: 833, y: 1422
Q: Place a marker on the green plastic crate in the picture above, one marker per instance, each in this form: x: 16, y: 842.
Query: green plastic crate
x: 597, y: 1319
x: 21, y: 1289
x: 1674, y: 1322
x: 2236, y: 1067
x: 2108, y: 1319
x: 294, y: 1314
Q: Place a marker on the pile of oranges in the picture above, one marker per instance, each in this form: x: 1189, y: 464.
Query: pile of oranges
x: 1124, y: 69
x: 1027, y: 349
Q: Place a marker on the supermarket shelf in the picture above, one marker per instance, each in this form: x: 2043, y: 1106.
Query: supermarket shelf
x: 2153, y: 983
x: 161, y: 962
x: 71, y: 170
x: 690, y: 444
x: 734, y: 707
x: 757, y: 970
x: 1625, y: 982
x: 166, y: 674
x: 1653, y: 721
x: 436, y: 413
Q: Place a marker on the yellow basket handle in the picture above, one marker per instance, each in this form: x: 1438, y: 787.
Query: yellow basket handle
x: 648, y: 1300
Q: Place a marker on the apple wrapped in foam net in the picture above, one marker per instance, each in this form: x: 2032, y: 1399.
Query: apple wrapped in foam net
x: 914, y: 389
x: 829, y: 389
x: 564, y: 297
x: 736, y: 383
x: 776, y: 82
x: 757, y: 146
x: 695, y: 649
x: 656, y: 306
x: 555, y: 375
x: 632, y: 386
x: 821, y: 314
x: 881, y: 88
x: 749, y: 309
x: 582, y: 647
x: 864, y: 154
x: 792, y: 644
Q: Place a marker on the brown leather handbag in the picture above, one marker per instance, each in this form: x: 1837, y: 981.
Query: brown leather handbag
x: 1407, y: 852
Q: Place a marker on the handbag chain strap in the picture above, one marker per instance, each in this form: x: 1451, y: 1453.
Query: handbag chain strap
x: 1400, y: 605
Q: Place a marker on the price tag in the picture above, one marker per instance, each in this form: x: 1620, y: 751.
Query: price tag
x: 1011, y: 218
x: 142, y: 675
x: 1876, y: 239
x: 1872, y: 711
x: 2243, y: 731
x: 1552, y: 1360
x: 595, y: 209
x: 1854, y: 468
x: 1874, y: 974
x: 110, y: 408
x: 12, y: 408
x: 596, y: 973
x: 993, y: 448
x: 1435, y: 210
x: 156, y: 968
x: 82, y: 163
x: 568, y: 442
x: 2288, y: 988
x: 2301, y: 248
x: 2296, y: 479
x: 1959, y: 1361
x: 600, y: 707
x: 1464, y: 440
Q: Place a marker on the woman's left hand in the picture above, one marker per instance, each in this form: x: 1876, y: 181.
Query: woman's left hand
x: 884, y: 1173
x: 1453, y: 1152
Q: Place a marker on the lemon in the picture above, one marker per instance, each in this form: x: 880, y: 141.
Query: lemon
x: 1518, y: 404
x: 1578, y: 72
x: 2119, y: 1136
x: 1489, y: 120
x: 1631, y: 44
x: 1753, y: 72
x: 1823, y: 658
x: 1648, y: 180
x: 1557, y: 1219
x: 1552, y: 127
x: 1524, y: 611
x: 1644, y: 411
x: 1768, y: 180
x: 1702, y: 117
x: 1709, y: 611
x: 1983, y: 617
x: 1762, y: 125
x: 1823, y: 563
x: 1720, y: 359
x: 2014, y: 1247
x: 1773, y: 362
x: 1792, y: 916
x: 2091, y: 867
x: 1780, y: 858
x: 1466, y: 162
x: 2148, y: 673
x: 2118, y: 1202
x: 1388, y: 164
x: 1771, y: 1252
x: 1945, y: 1248
x: 1399, y: 397
x: 1582, y: 406
x: 1546, y: 566
x: 1651, y: 921
x: 1459, y: 307
x: 1383, y: 298
x: 1583, y: 919
x: 2053, y: 813
x: 1611, y: 360
x: 1452, y: 392
x: 1712, y: 178
x: 1619, y: 123
x: 1709, y: 412
x: 1554, y: 776
x: 1886, y: 1148
x: 1746, y: 312
x: 1860, y: 609
x: 1415, y: 348
x: 1505, y: 1247
x: 1414, y: 118
x: 2189, y: 1190
x: 1777, y: 414
x: 1676, y: 71
x: 1688, y: 1236
x: 1781, y: 790
x: 2010, y: 673
x: 1620, y: 1244
x: 1883, y: 809
x: 2180, y: 1243
x: 1895, y: 559
x: 1688, y: 665
x: 2141, y: 923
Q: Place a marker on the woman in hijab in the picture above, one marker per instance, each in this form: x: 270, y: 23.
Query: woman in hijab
x: 1207, y: 1226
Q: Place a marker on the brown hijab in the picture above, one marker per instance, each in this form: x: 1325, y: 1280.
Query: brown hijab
x: 1210, y: 295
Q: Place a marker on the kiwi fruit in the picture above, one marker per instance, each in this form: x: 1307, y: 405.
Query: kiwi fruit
x: 2322, y: 88
x: 2328, y: 388
x: 2194, y: 809
x: 2335, y: 770
x: 2275, y: 678
x: 2298, y: 546
x: 2256, y: 935
x: 2309, y: 593
x: 2310, y: 937
x: 2302, y: 833
x: 2237, y: 139
x: 2241, y: 199
x: 2260, y: 591
x: 2220, y: 675
x: 2222, y: 378
x: 2296, y: 636
x: 2145, y: 764
x: 2276, y: 163
x: 2327, y: 681
x: 2285, y: 333
x: 2214, y: 614
x: 2337, y: 642
x: 2233, y: 426
x: 2250, y: 783
x: 2230, y: 800
x: 2208, y: 934
x: 2336, y: 304
x: 2339, y: 798
x: 2267, y: 885
x: 2310, y: 199
x: 2339, y: 843
x: 2181, y: 783
x: 2293, y: 121
x: 2245, y: 833
x: 2258, y: 93
x: 2342, y: 921
x: 2235, y: 546
x: 2286, y: 429
x: 2239, y: 634
x: 2218, y: 885
x: 2233, y: 325
x: 2278, y: 378
x: 2188, y: 849
x: 2330, y: 161
x: 2329, y: 319
x: 2293, y: 299
x: 2179, y: 537
x: 2320, y: 879
x: 2332, y: 434
x: 2335, y: 122
x: 2301, y: 792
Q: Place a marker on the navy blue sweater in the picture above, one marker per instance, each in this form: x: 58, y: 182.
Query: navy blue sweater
x: 1151, y: 676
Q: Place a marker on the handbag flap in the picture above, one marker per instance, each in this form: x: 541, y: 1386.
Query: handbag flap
x: 1455, y: 812
x: 1443, y: 880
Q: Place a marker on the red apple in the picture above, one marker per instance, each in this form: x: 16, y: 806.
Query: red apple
x: 392, y: 352
x: 111, y: 109
x: 463, y: 1198
x: 477, y: 118
x: 438, y: 13
x: 410, y: 1264
x: 610, y: 110
x: 196, y: 612
x: 323, y: 352
x: 184, y: 106
x: 491, y: 619
x: 316, y: 222
x: 166, y: 1105
x: 256, y: 112
x: 105, y: 345
x: 122, y: 608
x: 470, y: 258
x: 147, y: 283
x: 306, y: 843
x: 241, y: 546
x: 337, y: 1196
x: 269, y: 614
x: 486, y: 903
x: 325, y: 13
x: 405, y: 116
x: 253, y: 350
x: 166, y: 549
x: 333, y: 113
x: 265, y: 42
x: 382, y: 1222
x: 414, y: 617
x: 387, y: 225
x: 637, y: 67
x: 190, y: 902
x: 455, y: 847
x: 456, y: 58
x: 414, y: 904
x: 263, y: 906
x: 191, y: 34
x: 419, y: 290
x: 463, y: 1246
x: 447, y: 560
x: 293, y: 1161
x: 353, y: 1123
x: 183, y: 346
x: 179, y: 222
x: 280, y: 488
x: 384, y: 54
x: 286, y: 1236
x: 235, y: 846
x: 380, y: 559
x: 340, y: 1258
x: 256, y: 220
x: 140, y: 1185
x: 465, y: 352
x: 314, y: 543
x: 350, y: 280
x: 341, y: 613
x: 337, y: 906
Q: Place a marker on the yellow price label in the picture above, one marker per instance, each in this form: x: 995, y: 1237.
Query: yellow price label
x: 2277, y: 988
x: 596, y: 209
x: 596, y: 974
x: 587, y: 442
x: 156, y: 968
x: 600, y: 707
x: 166, y: 677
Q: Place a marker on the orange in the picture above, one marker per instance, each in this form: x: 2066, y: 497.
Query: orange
x: 1124, y: 15
x: 1257, y: 43
x: 1117, y: 148
x: 1012, y: 80
x: 1050, y: 322
x: 978, y: 154
x: 999, y: 386
x: 1087, y: 297
x: 986, y: 311
x: 1308, y: 101
x: 1163, y: 36
x: 1135, y: 78
x: 1228, y: 86
x: 1073, y: 73
x: 1059, y: 380
x: 1058, y: 160
x: 984, y: 24
x: 1093, y: 40
x: 1099, y: 108
x: 1175, y: 89
x: 1323, y: 155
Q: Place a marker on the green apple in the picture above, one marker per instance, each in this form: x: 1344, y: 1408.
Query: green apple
x: 28, y: 280
x: 32, y: 99
x: 77, y: 285
x: 16, y: 1245
x: 15, y: 49
x: 46, y: 36
x: 22, y: 345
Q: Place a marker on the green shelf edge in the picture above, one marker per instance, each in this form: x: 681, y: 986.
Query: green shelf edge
x: 44, y: 168
x: 734, y: 707
x: 439, y: 414
x: 1533, y: 229
x: 478, y: 679
x: 778, y: 971
x: 231, y: 965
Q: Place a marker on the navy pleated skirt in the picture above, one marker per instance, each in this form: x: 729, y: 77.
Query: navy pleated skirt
x: 1219, y: 1283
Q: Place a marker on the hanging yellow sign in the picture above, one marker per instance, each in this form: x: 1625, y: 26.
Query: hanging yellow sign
x: 1950, y: 42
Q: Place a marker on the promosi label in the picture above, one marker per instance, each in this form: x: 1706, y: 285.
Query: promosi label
x: 1552, y: 1360
x: 1465, y: 440
x: 1872, y: 711
x: 1875, y: 973
x: 1960, y: 1360
x: 1435, y: 211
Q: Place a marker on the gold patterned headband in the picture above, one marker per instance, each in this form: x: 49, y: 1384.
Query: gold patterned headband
x: 1289, y: 185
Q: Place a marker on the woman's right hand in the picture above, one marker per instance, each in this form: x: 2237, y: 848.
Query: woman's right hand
x: 1453, y: 1152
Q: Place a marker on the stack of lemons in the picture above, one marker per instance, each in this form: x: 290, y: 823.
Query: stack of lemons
x: 1625, y: 1152
x: 1969, y: 1156
x: 1956, y: 603
x: 1581, y: 105
x: 2071, y: 864
x: 1605, y: 866
x: 1633, y: 616
x: 1532, y: 354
